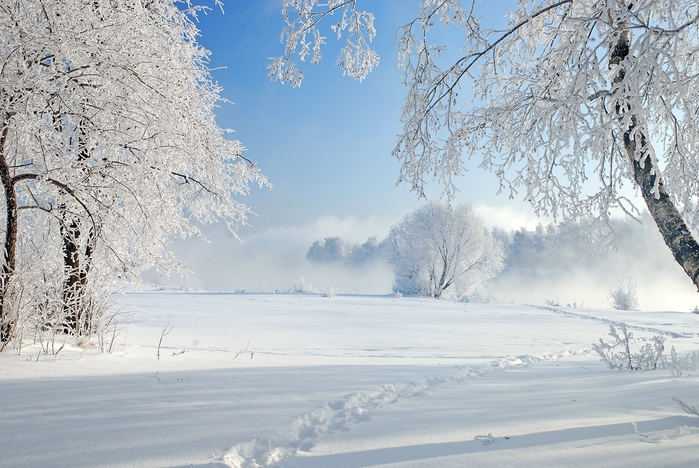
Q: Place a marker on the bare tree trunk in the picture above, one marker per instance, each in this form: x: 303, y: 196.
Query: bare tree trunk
x: 665, y: 214
x: 11, y: 231
x: 443, y: 282
x: 71, y: 267
x: 76, y: 267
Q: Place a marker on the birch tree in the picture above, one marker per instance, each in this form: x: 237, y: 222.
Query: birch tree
x: 109, y: 147
x: 437, y: 251
x: 567, y: 105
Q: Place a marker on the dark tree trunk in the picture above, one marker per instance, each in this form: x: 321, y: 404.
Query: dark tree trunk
x: 444, y: 283
x: 665, y: 214
x: 10, y: 244
x: 73, y: 282
x: 76, y: 266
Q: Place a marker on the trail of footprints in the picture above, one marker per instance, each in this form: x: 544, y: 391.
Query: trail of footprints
x: 338, y: 416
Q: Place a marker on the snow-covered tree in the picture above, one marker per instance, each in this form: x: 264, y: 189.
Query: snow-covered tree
x: 567, y: 104
x: 109, y: 147
x: 438, y: 250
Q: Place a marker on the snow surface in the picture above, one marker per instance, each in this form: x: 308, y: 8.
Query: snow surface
x: 248, y: 380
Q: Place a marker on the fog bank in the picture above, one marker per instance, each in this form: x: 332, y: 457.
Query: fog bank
x: 547, y: 268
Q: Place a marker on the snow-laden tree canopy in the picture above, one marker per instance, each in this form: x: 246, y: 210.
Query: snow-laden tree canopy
x: 439, y: 251
x: 109, y: 144
x: 567, y: 104
x: 552, y: 103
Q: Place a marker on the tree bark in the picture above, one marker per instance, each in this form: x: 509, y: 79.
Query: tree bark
x: 11, y: 231
x: 666, y: 216
x: 76, y: 266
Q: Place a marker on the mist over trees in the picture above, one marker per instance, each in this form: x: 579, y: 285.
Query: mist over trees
x: 568, y: 245
x: 436, y: 251
x: 569, y: 262
x: 570, y: 101
x: 337, y: 250
x: 580, y: 263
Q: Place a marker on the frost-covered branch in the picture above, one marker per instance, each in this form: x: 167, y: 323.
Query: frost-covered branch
x: 95, y: 97
x: 686, y: 408
x: 542, y: 112
x: 302, y: 31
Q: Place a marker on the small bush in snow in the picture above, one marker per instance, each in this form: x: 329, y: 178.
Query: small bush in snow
x: 330, y: 291
x: 617, y: 353
x: 624, y: 296
x: 480, y: 297
x: 677, y: 364
x: 302, y: 286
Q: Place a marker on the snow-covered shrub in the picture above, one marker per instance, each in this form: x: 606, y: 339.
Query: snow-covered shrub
x: 329, y: 291
x: 480, y: 296
x: 303, y: 286
x: 624, y: 296
x: 677, y: 364
x: 617, y: 354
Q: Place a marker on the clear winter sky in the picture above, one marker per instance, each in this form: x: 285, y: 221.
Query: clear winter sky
x: 326, y: 148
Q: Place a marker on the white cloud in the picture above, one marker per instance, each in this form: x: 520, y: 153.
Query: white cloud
x: 509, y: 217
x: 352, y: 229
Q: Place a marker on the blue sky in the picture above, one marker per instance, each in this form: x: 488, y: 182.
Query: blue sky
x: 326, y: 148
x: 326, y: 145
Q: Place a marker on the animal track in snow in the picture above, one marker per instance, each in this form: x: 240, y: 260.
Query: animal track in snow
x: 339, y: 415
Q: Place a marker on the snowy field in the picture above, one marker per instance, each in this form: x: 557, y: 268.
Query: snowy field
x: 248, y: 380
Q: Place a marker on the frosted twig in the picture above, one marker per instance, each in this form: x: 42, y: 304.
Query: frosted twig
x: 166, y: 331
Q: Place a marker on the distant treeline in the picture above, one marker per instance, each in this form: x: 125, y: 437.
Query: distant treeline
x: 545, y: 250
x: 337, y: 250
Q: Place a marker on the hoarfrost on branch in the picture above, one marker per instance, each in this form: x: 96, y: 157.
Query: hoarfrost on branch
x: 302, y: 36
x: 109, y: 147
